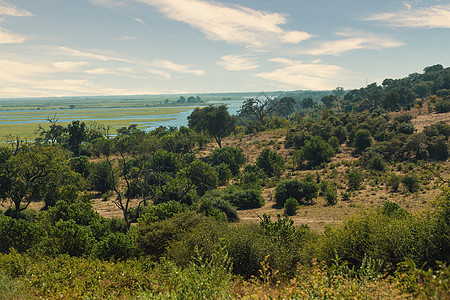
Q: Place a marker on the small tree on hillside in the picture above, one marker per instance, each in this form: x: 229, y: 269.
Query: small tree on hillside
x: 213, y: 120
x: 270, y: 162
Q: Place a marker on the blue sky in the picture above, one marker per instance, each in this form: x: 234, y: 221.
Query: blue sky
x: 127, y: 47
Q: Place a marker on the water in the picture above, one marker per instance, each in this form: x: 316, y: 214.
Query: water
x: 176, y: 120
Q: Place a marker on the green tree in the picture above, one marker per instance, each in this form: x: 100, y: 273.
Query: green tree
x: 77, y: 134
x: 233, y: 157
x: 270, y: 162
x: 259, y: 108
x: 33, y: 173
x: 307, y: 103
x: 214, y: 120
x: 315, y: 151
x: 362, y: 140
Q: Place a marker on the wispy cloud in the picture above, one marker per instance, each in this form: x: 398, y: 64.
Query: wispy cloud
x: 88, y: 54
x: 297, y: 74
x: 231, y: 23
x: 125, y: 38
x: 166, y: 64
x: 7, y: 37
x: 437, y: 16
x: 139, y: 20
x: 237, y: 63
x: 8, y: 9
x: 69, y: 65
x: 354, y: 40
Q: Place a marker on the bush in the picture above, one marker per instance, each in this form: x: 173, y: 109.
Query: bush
x: 411, y: 182
x: 224, y: 173
x: 355, y: 180
x: 161, y: 211
x: 18, y: 234
x: 302, y: 191
x: 331, y: 195
x: 117, y: 246
x: 392, y: 209
x: 270, y: 162
x: 315, y: 151
x: 213, y: 204
x: 153, y: 238
x: 67, y: 237
x: 394, y: 181
x: 233, y: 157
x: 202, y: 175
x: 80, y: 165
x: 362, y: 140
x: 245, y: 199
x: 290, y: 207
x: 100, y: 177
x: 376, y: 163
x: 442, y: 106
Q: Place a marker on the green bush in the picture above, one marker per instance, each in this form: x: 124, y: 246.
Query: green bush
x: 411, y: 182
x: 290, y: 207
x: 393, y: 182
x: 303, y: 191
x: 160, y: 212
x: 224, y: 173
x: 233, y: 157
x: 153, y: 238
x: 392, y: 209
x: 270, y: 162
x: 354, y: 180
x: 331, y: 195
x: 244, y: 199
x: 18, y: 234
x: 117, y: 246
x: 213, y: 204
x: 362, y: 140
x: 67, y: 237
x: 202, y: 175
x: 100, y: 177
x: 315, y: 151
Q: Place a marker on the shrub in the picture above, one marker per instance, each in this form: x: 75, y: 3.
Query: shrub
x: 18, y: 234
x: 100, y: 177
x: 376, y: 163
x: 331, y: 195
x: 80, y: 165
x: 362, y: 140
x: 411, y: 182
x: 290, y: 207
x: 233, y: 157
x: 392, y: 209
x: 302, y: 191
x: 315, y: 151
x: 67, y: 237
x: 118, y: 246
x: 224, y: 173
x: 213, y: 204
x: 153, y: 238
x: 161, y: 211
x: 202, y: 175
x: 270, y: 162
x: 442, y: 106
x: 394, y: 181
x: 355, y: 180
x: 245, y: 199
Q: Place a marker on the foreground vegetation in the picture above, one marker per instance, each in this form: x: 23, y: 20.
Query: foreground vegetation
x: 180, y: 197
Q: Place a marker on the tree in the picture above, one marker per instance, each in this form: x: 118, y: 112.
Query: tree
x: 77, y: 134
x: 286, y: 106
x: 270, y: 162
x: 316, y: 151
x: 214, y: 120
x: 362, y: 140
x: 329, y: 100
x: 307, y: 103
x: 33, y: 173
x: 259, y: 108
x: 233, y: 157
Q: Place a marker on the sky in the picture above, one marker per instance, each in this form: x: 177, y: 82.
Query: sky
x: 52, y: 48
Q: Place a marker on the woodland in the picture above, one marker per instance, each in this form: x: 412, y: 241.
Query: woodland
x: 215, y: 210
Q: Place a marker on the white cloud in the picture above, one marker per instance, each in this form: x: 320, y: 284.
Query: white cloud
x: 7, y: 37
x: 354, y: 40
x: 69, y: 66
x: 87, y: 55
x: 125, y: 38
x: 237, y: 63
x: 233, y: 24
x: 7, y: 9
x: 166, y: 64
x: 139, y: 20
x: 437, y: 16
x: 297, y: 74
